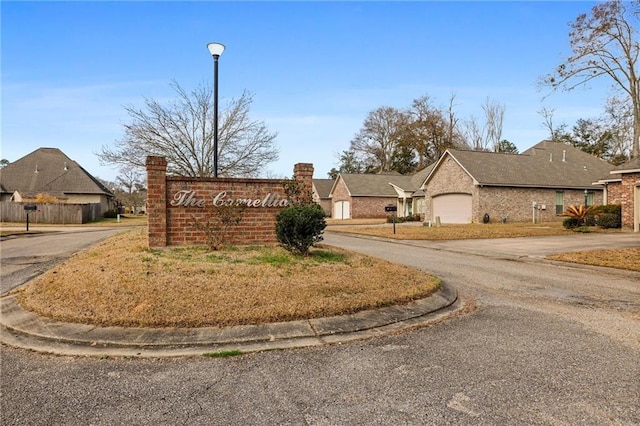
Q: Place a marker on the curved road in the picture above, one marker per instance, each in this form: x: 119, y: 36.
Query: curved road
x: 24, y: 257
x: 538, y: 344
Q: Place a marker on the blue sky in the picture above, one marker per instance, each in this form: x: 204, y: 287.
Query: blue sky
x: 316, y: 69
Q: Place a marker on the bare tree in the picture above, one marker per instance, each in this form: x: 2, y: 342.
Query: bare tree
x: 604, y: 43
x: 619, y: 116
x: 475, y: 134
x: 494, y: 116
x: 547, y: 116
x: 379, y: 137
x: 131, y: 189
x: 432, y: 130
x: 182, y: 132
x: 557, y: 132
x: 485, y: 137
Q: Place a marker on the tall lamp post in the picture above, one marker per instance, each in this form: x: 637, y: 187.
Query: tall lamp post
x: 216, y: 50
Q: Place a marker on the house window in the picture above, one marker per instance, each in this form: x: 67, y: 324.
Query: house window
x: 589, y: 199
x: 559, y: 202
x: 420, y: 205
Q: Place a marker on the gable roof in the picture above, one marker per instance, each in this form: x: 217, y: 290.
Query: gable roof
x: 323, y: 187
x: 49, y: 170
x: 545, y: 165
x: 382, y: 184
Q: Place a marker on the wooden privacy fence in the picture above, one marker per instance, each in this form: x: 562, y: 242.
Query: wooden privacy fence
x: 50, y: 213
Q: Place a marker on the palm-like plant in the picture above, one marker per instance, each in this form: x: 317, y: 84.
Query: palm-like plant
x: 579, y: 212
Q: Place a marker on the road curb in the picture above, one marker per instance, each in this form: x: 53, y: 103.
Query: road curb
x: 24, y: 329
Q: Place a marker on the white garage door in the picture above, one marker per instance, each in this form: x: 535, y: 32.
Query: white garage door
x: 452, y: 208
x: 341, y: 210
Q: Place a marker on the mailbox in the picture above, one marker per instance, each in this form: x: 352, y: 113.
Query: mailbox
x: 390, y: 208
x: 30, y: 207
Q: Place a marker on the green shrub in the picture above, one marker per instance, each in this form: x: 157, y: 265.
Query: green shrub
x: 300, y: 227
x: 571, y: 222
x: 609, y: 208
x: 111, y: 214
x: 609, y: 220
x: 410, y: 218
x: 609, y: 216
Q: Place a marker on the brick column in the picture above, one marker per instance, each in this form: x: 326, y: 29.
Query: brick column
x: 157, y: 200
x: 303, y: 173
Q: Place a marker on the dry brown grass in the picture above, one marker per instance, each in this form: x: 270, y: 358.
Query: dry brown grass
x: 415, y: 231
x: 624, y: 258
x: 121, y: 282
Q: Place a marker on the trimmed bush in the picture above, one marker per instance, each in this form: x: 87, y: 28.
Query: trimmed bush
x: 609, y: 216
x: 609, y: 220
x: 300, y: 227
x: 571, y: 222
x: 609, y: 208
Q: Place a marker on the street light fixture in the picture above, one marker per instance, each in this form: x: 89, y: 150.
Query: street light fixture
x: 216, y: 50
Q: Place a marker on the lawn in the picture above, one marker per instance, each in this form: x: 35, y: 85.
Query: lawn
x: 122, y: 282
x: 625, y: 258
x: 416, y: 231
x: 619, y: 258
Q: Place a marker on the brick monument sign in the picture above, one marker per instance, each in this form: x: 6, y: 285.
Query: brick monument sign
x: 175, y: 203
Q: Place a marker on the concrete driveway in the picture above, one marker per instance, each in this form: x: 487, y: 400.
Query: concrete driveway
x: 539, y: 343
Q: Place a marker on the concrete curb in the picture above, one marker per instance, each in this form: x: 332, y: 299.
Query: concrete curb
x: 23, y: 329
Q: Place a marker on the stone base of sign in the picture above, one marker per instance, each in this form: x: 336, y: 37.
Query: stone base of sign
x: 175, y: 203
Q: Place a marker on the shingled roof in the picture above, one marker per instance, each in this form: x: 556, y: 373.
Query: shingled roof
x: 545, y: 165
x: 323, y: 187
x: 48, y: 170
x: 631, y: 166
x: 382, y: 184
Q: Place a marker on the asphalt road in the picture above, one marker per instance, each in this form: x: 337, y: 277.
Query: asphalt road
x: 25, y: 257
x: 540, y: 343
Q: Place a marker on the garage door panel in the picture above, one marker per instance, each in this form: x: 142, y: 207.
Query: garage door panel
x: 341, y: 210
x: 453, y: 208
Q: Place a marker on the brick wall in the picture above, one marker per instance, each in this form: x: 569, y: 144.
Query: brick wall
x: 371, y: 207
x: 175, y: 203
x: 623, y: 193
x: 517, y: 203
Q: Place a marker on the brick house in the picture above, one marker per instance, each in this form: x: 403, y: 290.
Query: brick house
x: 623, y: 187
x: 355, y: 196
x: 320, y: 194
x: 536, y: 185
x: 50, y: 171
